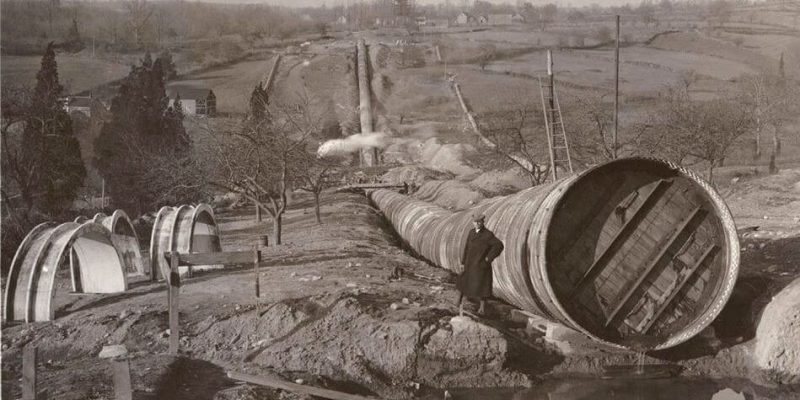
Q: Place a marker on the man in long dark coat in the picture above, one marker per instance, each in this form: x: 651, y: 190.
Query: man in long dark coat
x: 481, y: 249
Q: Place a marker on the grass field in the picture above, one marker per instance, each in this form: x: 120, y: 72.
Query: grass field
x: 76, y: 73
x: 232, y: 84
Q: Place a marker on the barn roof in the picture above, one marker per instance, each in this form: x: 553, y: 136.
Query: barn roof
x: 188, y: 92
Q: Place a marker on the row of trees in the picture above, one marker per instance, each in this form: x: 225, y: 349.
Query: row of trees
x: 676, y: 127
x: 132, y: 25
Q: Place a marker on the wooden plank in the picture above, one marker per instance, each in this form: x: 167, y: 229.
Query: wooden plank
x: 663, y: 306
x: 623, y: 234
x: 174, y: 289
x: 122, y: 379
x: 29, y: 372
x: 278, y: 383
x: 697, y: 212
x: 228, y: 257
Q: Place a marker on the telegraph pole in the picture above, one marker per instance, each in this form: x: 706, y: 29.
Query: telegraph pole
x: 616, y: 92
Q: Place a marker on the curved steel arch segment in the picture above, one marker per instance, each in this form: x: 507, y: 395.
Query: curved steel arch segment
x: 125, y: 239
x: 159, y: 243
x: 185, y: 229
x: 30, y: 293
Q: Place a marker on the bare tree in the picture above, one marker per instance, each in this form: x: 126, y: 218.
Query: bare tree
x: 262, y: 160
x: 705, y: 130
x: 316, y: 176
x: 139, y: 13
x: 519, y: 139
x: 774, y: 102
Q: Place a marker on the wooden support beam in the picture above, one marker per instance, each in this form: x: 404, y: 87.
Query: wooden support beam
x: 621, y: 236
x: 708, y: 254
x: 664, y: 249
x: 173, y: 293
x: 227, y: 257
x: 29, y: 372
x: 278, y: 383
x: 122, y: 379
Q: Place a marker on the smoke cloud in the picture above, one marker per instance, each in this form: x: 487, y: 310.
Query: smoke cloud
x: 351, y: 144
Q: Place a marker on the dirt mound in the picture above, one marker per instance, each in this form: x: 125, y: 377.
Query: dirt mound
x: 387, y: 353
x: 446, y: 157
x: 777, y: 347
x: 452, y: 195
x: 765, y: 200
x: 501, y: 183
x: 414, y: 174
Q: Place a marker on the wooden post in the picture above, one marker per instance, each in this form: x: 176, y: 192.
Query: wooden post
x: 29, y: 372
x: 122, y: 379
x: 256, y: 259
x: 174, y: 283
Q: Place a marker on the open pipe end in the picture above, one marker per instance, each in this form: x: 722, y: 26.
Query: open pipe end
x: 638, y: 253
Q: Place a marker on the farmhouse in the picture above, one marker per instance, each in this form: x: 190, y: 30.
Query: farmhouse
x: 79, y: 104
x: 194, y: 100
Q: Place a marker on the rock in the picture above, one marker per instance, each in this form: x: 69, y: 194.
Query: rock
x: 238, y: 307
x: 293, y: 274
x: 351, y: 285
x: 299, y: 381
x: 777, y: 347
x: 394, y: 306
x: 315, y: 278
x: 358, y: 265
x: 368, y: 276
x: 406, y: 301
x: 124, y: 314
x: 467, y: 345
x: 166, y: 333
x: 113, y: 351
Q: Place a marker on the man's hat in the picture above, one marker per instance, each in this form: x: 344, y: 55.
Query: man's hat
x: 476, y: 217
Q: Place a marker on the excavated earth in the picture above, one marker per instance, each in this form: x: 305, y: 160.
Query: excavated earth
x: 343, y: 306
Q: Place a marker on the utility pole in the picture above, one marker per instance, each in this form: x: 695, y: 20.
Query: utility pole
x: 551, y: 81
x: 616, y: 92
x: 103, y: 194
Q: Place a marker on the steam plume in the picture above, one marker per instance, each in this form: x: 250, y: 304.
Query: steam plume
x: 351, y: 144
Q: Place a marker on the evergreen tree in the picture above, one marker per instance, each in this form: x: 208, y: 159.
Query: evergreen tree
x: 170, y: 72
x: 74, y: 43
x: 144, y: 132
x: 49, y: 146
x: 258, y: 103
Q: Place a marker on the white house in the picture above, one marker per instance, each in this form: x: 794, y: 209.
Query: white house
x: 194, y: 100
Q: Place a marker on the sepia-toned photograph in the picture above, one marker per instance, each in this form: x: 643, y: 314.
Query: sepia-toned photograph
x: 400, y: 199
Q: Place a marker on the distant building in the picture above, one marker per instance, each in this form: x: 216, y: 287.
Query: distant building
x: 517, y: 18
x: 79, y: 104
x: 342, y: 20
x: 464, y: 18
x: 482, y: 20
x: 194, y: 100
x: 421, y: 20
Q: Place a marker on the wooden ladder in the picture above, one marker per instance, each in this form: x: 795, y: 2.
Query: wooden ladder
x: 554, y: 125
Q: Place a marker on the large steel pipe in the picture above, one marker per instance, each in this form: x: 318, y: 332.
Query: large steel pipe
x: 636, y: 253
